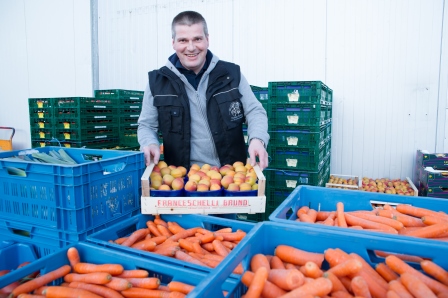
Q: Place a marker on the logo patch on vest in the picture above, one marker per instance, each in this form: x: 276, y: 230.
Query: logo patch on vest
x: 235, y: 111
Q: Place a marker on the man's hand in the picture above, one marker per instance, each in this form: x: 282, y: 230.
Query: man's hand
x: 256, y: 148
x: 151, y: 151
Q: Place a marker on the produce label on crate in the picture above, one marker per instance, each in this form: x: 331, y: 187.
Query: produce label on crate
x: 294, y: 96
x: 291, y: 183
x: 291, y: 162
x: 292, y: 141
x: 293, y: 119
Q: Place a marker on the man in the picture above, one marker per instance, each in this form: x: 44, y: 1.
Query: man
x: 199, y: 104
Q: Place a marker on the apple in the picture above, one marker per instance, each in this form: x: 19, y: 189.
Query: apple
x: 233, y: 187
x: 165, y: 171
x: 191, y: 185
x: 226, y: 181
x: 177, y: 184
x: 202, y: 187
x: 167, y: 179
x: 176, y: 173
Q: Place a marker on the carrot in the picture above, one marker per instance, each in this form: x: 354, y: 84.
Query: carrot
x: 259, y: 260
x: 220, y: 248
x: 73, y: 256
x: 180, y: 255
x: 297, y: 256
x: 340, y: 214
x: 98, y: 278
x: 174, y: 227
x: 335, y: 256
x: 133, y: 273
x: 159, y: 221
x: 144, y: 293
x: 380, y: 219
x: 223, y: 230
x: 184, y: 234
x: 198, y: 249
x: 430, y: 220
x: 146, y: 244
x: 286, y: 279
x: 399, y: 288
x: 319, y: 287
x: 30, y: 296
x: 152, y: 227
x: 348, y: 267
x: 375, y: 276
x: 167, y: 249
x: 256, y: 286
x: 329, y: 221
x: 347, y: 282
x: 230, y: 245
x: 385, y: 272
x: 208, y: 247
x: 159, y: 239
x: 135, y: 236
x: 302, y: 210
x: 276, y: 263
x: 270, y: 290
x: 310, y: 269
x: 235, y: 236
x: 40, y: 281
x: 112, y: 269
x: 337, y: 284
x: 210, y: 263
x: 177, y: 286
x: 312, y: 214
x: 118, y: 284
x: 341, y: 294
x: 207, y: 237
x: 96, y: 289
x: 323, y: 215
x: 418, y: 212
x: 40, y: 290
x: 430, y: 231
x: 406, y: 220
x: 415, y: 286
x: 360, y: 287
x: 120, y: 240
x: 408, y: 258
x: 304, y: 217
x: 367, y: 224
x: 392, y: 294
x: 65, y: 292
x: 401, y: 267
x: 435, y: 271
x: 187, y: 245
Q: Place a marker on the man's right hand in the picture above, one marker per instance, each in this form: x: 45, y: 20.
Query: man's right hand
x: 151, y: 152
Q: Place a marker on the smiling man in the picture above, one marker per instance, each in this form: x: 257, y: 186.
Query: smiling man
x: 199, y: 104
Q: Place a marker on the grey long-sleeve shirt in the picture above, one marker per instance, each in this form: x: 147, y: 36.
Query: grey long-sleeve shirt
x: 202, y: 146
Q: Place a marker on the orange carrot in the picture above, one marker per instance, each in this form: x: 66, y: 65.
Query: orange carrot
x: 375, y: 276
x: 40, y: 281
x: 380, y: 219
x: 418, y: 212
x: 259, y: 260
x: 415, y: 286
x: 98, y: 278
x: 385, y: 272
x: 147, y: 244
x: 286, y: 279
x: 180, y: 255
x: 112, y: 269
x: 399, y: 288
x: 223, y: 230
x: 406, y: 220
x: 220, y: 248
x: 367, y: 224
x: 297, y: 256
x: 30, y: 296
x: 408, y: 258
x: 323, y: 215
x: 435, y: 271
x: 360, y: 287
x: 58, y: 292
x: 159, y: 239
x: 168, y: 248
x: 135, y: 236
x: 177, y: 286
x: 348, y: 267
x: 337, y: 284
x: 73, y: 256
x: 159, y: 221
x: 319, y: 287
x: 174, y: 227
x: 304, y: 217
x: 152, y: 227
x: 235, y: 236
x: 347, y: 282
x: 310, y: 269
x: 197, y: 248
x: 329, y: 221
x: 302, y: 210
x: 341, y: 294
x: 401, y: 267
x: 144, y: 293
x: 96, y: 289
x: 270, y: 290
x: 118, y: 284
x: 184, y: 234
x: 133, y: 273
x: 256, y: 286
x: 120, y: 240
x: 187, y: 245
x: 431, y: 220
x: 340, y: 214
x: 276, y: 263
x: 207, y: 237
x: 335, y: 256
x: 392, y: 294
x: 431, y: 231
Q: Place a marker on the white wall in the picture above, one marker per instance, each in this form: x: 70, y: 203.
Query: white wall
x: 45, y: 52
x: 381, y: 58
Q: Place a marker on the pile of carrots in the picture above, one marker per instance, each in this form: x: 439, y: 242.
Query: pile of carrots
x: 88, y: 280
x: 292, y: 272
x: 194, y: 245
x: 403, y: 220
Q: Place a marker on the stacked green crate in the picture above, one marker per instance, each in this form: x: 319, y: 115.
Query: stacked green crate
x: 41, y: 121
x: 129, y: 108
x: 299, y: 116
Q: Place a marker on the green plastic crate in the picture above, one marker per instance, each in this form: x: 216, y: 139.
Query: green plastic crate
x: 84, y: 102
x: 298, y: 137
x: 314, y: 92
x: 91, y: 144
x: 87, y: 123
x: 85, y: 134
x: 38, y: 103
x: 41, y: 113
x: 41, y: 123
x: 299, y: 114
x: 119, y: 93
x: 82, y: 113
x: 42, y: 133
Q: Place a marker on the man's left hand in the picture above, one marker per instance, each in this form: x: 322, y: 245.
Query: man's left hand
x: 256, y: 148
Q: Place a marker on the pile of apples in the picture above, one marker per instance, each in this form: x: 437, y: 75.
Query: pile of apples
x: 389, y: 186
x: 164, y: 177
x: 235, y: 177
x: 343, y: 182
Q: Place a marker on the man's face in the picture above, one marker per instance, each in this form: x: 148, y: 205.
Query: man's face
x: 191, y: 44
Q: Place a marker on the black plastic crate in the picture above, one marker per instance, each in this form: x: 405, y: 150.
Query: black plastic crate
x: 438, y: 161
x: 299, y: 114
x: 431, y: 179
x: 300, y: 92
x: 119, y: 93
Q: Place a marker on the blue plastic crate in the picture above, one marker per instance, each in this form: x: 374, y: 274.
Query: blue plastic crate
x: 95, y: 254
x: 325, y: 199
x: 48, y: 240
x: 105, y: 184
x: 14, y: 255
x: 128, y: 226
x: 266, y: 236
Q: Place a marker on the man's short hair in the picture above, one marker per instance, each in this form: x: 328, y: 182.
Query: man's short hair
x: 188, y: 18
